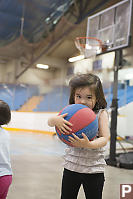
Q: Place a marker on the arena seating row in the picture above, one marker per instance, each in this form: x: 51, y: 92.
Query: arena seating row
x: 58, y: 98
x: 55, y: 100
x: 17, y: 95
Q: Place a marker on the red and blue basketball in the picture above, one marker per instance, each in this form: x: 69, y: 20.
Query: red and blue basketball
x: 84, y: 120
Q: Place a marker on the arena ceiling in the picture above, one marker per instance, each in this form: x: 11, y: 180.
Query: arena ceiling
x: 36, y: 28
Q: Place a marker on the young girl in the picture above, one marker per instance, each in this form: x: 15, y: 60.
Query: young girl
x: 5, y: 166
x: 84, y: 162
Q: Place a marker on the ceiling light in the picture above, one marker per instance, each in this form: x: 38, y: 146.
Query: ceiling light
x: 77, y: 58
x: 43, y: 66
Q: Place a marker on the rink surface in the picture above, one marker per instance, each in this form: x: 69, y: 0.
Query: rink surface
x: 37, y: 169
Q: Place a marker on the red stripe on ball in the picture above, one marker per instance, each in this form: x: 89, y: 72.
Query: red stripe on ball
x: 80, y: 118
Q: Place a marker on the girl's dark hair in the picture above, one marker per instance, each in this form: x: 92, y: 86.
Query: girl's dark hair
x: 5, y: 113
x: 95, y: 85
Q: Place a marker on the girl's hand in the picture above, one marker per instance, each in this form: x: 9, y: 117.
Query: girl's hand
x: 80, y: 142
x: 62, y: 124
x: 104, y: 135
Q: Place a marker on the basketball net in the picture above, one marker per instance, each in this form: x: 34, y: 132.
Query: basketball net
x: 88, y: 46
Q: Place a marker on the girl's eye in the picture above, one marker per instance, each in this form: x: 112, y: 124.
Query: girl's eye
x: 89, y: 97
x: 78, y: 96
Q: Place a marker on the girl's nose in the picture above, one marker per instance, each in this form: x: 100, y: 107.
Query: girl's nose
x: 83, y: 101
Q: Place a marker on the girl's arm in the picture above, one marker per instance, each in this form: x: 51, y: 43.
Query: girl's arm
x: 104, y: 134
x: 60, y: 123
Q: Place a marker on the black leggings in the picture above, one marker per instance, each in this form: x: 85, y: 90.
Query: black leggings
x: 92, y: 185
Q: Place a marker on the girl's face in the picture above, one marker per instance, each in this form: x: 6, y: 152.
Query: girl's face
x: 85, y: 96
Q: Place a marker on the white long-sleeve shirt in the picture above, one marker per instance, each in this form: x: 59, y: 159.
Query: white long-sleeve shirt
x: 5, y: 164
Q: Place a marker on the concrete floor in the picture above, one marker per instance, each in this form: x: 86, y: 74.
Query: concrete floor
x: 37, y: 167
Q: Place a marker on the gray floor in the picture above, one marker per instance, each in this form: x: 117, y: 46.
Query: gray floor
x: 37, y: 167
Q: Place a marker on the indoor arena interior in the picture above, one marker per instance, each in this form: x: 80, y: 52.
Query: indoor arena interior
x: 43, y: 45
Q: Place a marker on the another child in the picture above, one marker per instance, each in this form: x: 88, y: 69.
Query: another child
x: 84, y: 162
x: 5, y: 165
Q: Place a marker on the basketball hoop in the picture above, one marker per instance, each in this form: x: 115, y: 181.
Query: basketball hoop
x: 89, y: 46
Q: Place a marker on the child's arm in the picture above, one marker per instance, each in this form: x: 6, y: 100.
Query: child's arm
x: 60, y: 123
x: 104, y: 134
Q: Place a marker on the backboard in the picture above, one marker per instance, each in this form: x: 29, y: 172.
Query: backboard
x: 112, y: 25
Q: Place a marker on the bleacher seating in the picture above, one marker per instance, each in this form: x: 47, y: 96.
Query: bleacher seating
x: 17, y: 95
x: 54, y: 101
x: 58, y: 98
x: 125, y: 95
